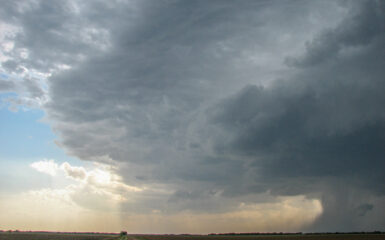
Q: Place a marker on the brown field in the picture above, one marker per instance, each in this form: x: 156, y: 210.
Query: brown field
x: 54, y: 236
x: 78, y: 236
x: 262, y: 237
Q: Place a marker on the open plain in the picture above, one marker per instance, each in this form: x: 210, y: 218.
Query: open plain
x: 98, y: 236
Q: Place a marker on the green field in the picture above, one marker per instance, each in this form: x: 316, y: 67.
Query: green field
x: 87, y: 236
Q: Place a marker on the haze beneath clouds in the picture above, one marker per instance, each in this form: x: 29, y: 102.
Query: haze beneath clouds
x: 203, y: 116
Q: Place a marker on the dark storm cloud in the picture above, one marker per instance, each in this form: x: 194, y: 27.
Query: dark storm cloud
x: 363, y: 209
x: 220, y: 102
x: 149, y: 100
x: 160, y: 73
x: 53, y: 32
x: 327, y: 120
x: 326, y: 123
x: 354, y: 32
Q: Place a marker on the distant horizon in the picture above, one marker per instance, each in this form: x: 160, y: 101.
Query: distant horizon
x: 224, y: 233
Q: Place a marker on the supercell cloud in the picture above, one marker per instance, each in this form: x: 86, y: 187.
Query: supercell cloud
x: 212, y: 104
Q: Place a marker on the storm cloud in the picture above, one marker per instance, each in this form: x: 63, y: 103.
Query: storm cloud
x: 217, y: 103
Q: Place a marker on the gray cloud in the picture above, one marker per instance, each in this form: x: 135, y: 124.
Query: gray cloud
x: 29, y: 92
x: 324, y: 123
x: 363, y: 209
x: 218, y: 102
x: 6, y: 86
x: 56, y: 32
x: 74, y: 172
x: 365, y: 26
x: 10, y: 65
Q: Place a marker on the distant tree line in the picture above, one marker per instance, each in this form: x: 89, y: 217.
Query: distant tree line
x: 297, y: 233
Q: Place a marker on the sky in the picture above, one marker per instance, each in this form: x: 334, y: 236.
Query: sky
x: 192, y: 116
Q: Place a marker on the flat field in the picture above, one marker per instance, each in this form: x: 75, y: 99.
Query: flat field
x: 262, y: 237
x: 82, y: 236
x: 55, y: 236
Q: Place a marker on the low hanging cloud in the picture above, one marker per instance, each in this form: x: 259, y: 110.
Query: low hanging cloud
x: 102, y: 194
x: 74, y: 172
x: 214, y: 104
x: 50, y: 167
x: 46, y: 166
x: 97, y: 189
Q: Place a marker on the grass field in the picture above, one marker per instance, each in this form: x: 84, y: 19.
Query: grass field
x: 78, y: 236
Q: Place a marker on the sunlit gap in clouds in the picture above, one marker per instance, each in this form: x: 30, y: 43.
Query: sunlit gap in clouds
x: 92, y: 199
x: 79, y: 199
